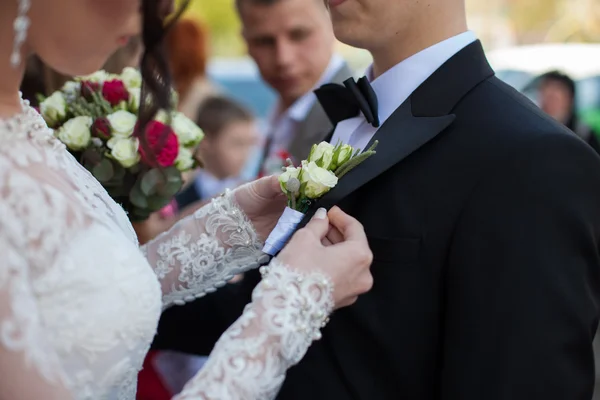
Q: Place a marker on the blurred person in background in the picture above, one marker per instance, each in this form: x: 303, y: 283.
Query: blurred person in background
x: 557, y: 99
x: 292, y: 43
x: 230, y: 134
x: 187, y: 49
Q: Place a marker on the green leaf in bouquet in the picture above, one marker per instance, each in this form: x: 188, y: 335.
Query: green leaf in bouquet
x: 151, y: 181
x: 139, y: 214
x: 90, y: 158
x: 102, y: 105
x: 155, y: 203
x: 173, y: 182
x: 137, y: 197
x: 103, y: 171
x: 117, y: 180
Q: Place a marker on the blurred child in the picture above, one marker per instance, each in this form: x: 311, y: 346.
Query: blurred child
x: 230, y: 136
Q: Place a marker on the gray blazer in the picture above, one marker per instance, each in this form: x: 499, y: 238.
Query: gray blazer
x: 316, y: 126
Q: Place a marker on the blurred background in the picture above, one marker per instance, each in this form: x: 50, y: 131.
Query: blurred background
x: 523, y: 38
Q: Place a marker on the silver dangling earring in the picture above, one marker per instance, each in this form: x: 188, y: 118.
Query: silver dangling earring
x: 20, y: 26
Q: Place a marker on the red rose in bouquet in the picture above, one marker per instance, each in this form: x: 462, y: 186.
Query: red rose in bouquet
x: 101, y: 128
x: 115, y: 92
x: 163, y: 144
x: 88, y: 88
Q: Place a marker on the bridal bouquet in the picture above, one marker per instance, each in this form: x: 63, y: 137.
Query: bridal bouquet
x: 303, y: 185
x: 96, y: 116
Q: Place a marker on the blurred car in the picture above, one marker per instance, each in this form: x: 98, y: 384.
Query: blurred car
x: 521, y: 66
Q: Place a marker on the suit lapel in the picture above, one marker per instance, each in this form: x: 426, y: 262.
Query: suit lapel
x: 422, y: 117
x: 400, y: 136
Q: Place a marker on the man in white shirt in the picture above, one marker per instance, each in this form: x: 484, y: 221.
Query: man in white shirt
x: 292, y: 43
x: 483, y: 215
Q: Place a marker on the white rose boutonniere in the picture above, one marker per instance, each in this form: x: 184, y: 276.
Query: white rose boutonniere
x: 122, y: 123
x: 289, y: 180
x: 322, y: 154
x: 124, y: 150
x: 304, y: 186
x: 54, y: 108
x: 76, y: 133
x: 318, y: 180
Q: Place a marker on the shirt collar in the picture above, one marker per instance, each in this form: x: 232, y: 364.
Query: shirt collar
x: 208, y: 185
x: 301, y: 107
x: 395, y: 85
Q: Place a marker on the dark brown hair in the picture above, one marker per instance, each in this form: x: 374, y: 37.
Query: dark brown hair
x: 156, y: 87
x: 217, y: 112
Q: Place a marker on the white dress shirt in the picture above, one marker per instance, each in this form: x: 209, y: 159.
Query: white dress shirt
x: 283, y: 125
x: 395, y: 85
x: 209, y: 186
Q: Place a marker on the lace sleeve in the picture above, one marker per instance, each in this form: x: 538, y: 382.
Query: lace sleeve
x: 250, y: 360
x: 203, y: 251
x: 30, y: 369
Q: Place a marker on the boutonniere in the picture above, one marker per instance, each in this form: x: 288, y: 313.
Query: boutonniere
x: 305, y: 184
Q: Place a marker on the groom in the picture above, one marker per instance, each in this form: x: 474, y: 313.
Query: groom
x: 483, y: 216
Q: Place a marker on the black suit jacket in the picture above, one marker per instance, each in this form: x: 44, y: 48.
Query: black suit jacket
x: 188, y: 196
x: 483, y: 216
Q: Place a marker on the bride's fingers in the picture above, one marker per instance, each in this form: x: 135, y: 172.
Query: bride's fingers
x: 334, y: 236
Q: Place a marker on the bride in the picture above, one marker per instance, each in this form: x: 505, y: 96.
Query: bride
x: 79, y: 301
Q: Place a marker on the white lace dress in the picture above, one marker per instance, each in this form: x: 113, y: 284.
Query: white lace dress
x: 80, y: 302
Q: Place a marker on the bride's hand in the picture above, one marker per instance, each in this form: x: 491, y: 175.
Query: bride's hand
x: 346, y: 261
x: 263, y: 202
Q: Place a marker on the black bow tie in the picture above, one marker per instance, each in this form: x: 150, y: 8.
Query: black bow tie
x: 343, y: 102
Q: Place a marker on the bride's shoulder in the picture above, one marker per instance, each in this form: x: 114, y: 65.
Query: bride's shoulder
x: 37, y: 205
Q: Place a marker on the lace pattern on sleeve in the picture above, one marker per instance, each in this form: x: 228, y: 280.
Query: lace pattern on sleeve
x: 203, y: 251
x: 250, y: 360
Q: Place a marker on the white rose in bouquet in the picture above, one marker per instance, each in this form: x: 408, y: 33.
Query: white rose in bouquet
x: 124, y: 150
x: 322, y: 154
x: 188, y: 133
x: 318, y: 180
x: 290, y: 173
x: 132, y: 78
x: 71, y: 88
x: 75, y: 133
x: 185, y: 159
x: 54, y: 108
x: 135, y: 95
x: 162, y: 116
x: 122, y: 123
x: 98, y: 76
